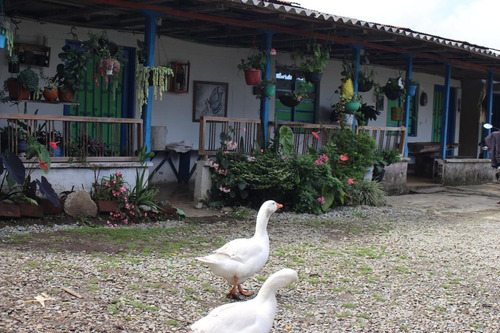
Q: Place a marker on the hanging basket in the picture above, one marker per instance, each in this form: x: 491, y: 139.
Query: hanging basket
x: 352, y: 106
x: 252, y: 76
x: 289, y: 101
x: 412, y: 90
x: 270, y: 90
x: 397, y: 113
x: 365, y: 86
x: 393, y: 93
x: 313, y: 77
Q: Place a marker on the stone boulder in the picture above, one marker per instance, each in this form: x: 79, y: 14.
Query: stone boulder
x: 79, y: 204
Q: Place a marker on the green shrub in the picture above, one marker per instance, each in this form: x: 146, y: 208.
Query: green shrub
x: 367, y: 193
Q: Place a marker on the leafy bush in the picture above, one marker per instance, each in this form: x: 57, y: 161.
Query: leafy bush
x: 367, y: 193
x: 309, y: 183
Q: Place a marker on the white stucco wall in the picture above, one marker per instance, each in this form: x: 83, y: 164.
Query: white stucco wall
x: 209, y: 63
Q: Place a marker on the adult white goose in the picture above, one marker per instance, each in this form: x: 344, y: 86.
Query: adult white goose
x: 241, y: 258
x: 253, y: 316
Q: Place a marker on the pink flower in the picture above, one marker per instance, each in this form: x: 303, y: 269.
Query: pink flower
x: 118, y: 174
x: 323, y: 158
x: 43, y: 165
x: 318, y: 162
x: 125, y: 221
x: 224, y: 189
x: 108, y: 184
x: 244, y: 129
x: 273, y: 52
x: 123, y: 189
x: 321, y: 200
x: 350, y: 181
x: 315, y: 134
x: 343, y: 158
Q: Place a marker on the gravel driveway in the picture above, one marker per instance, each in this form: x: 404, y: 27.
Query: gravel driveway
x: 364, y: 269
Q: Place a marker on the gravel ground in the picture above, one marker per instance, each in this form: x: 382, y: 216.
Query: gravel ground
x: 361, y: 269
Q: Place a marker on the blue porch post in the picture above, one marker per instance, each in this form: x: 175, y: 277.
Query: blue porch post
x: 149, y: 41
x: 489, y: 100
x: 444, y: 120
x: 409, y: 74
x: 357, y: 54
x: 264, y: 101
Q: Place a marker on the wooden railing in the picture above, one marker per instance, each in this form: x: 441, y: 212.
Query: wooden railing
x: 388, y: 138
x: 80, y: 138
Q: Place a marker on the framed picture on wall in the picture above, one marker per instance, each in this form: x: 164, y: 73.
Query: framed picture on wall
x: 209, y: 99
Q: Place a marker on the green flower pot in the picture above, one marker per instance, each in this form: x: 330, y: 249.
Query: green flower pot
x: 352, y: 106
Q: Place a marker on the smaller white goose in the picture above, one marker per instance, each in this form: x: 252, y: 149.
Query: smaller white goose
x: 253, y: 316
x: 241, y: 258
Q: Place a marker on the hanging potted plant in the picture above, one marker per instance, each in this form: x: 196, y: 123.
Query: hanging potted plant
x: 6, y: 37
x: 109, y: 54
x: 155, y: 76
x: 366, y: 76
x: 253, y: 66
x: 70, y: 74
x: 394, y: 88
x: 314, y: 61
x: 266, y: 88
x: 411, y: 86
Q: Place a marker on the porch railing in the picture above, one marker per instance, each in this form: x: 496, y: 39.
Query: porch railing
x: 387, y: 138
x: 80, y: 138
x: 390, y: 138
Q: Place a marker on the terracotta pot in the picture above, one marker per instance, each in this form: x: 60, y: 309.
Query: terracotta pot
x: 252, y: 76
x: 66, y: 96
x: 50, y: 209
x: 16, y: 91
x: 107, y: 206
x: 50, y: 95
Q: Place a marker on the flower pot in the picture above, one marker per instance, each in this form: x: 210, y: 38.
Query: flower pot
x: 22, y: 147
x: 396, y: 113
x: 352, y: 106
x: 365, y: 86
x: 13, y: 67
x: 16, y: 91
x: 313, y: 77
x: 289, y: 101
x: 50, y: 209
x: 412, y: 90
x: 107, y: 206
x: 393, y: 93
x: 50, y: 95
x: 66, y: 96
x: 252, y: 76
x: 57, y: 152
x: 349, y: 119
x: 270, y: 90
x: 2, y: 41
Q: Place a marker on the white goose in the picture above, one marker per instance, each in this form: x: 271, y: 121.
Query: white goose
x: 253, y: 316
x: 241, y: 258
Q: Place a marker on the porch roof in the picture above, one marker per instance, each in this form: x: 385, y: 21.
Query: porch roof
x: 239, y: 23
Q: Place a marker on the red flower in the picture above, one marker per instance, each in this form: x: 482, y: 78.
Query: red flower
x: 43, y: 165
x: 350, y: 181
x: 344, y: 158
x: 53, y: 145
x: 315, y: 134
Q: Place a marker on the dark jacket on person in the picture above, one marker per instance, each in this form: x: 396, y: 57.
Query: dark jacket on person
x: 493, y: 143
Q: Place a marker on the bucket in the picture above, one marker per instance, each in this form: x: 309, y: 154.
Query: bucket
x: 158, y: 138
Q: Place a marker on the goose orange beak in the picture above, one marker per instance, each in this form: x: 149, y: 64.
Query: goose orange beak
x: 279, y: 205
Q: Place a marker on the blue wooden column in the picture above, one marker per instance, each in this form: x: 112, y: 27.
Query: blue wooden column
x: 149, y: 42
x: 409, y: 74
x: 446, y: 110
x: 357, y: 57
x: 264, y: 101
x: 489, y: 100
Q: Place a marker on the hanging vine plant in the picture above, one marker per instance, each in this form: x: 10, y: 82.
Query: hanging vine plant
x: 155, y: 76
